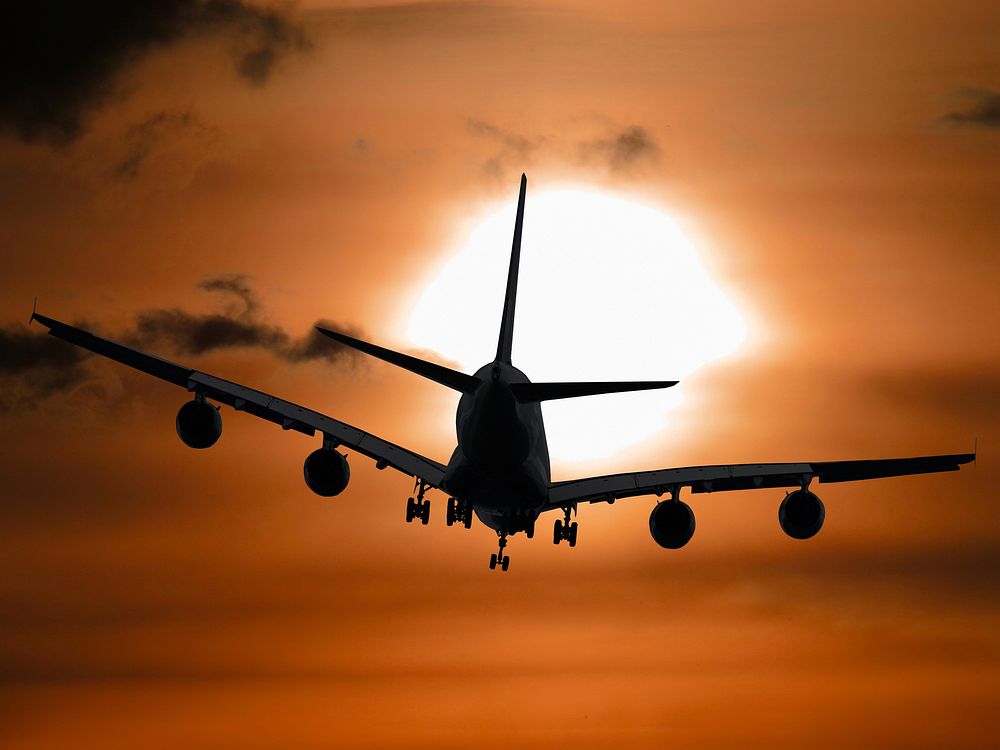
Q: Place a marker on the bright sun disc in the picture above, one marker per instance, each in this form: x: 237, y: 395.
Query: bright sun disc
x: 609, y: 289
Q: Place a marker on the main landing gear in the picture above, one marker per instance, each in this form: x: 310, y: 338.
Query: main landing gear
x: 419, y: 507
x: 499, y: 556
x: 459, y: 511
x: 564, y: 529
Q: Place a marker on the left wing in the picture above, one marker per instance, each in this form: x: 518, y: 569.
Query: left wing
x: 285, y: 413
x: 725, y: 477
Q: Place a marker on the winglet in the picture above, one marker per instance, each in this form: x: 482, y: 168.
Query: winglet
x: 34, y: 308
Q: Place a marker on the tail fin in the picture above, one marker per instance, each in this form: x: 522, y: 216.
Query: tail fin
x: 438, y: 373
x: 526, y: 392
x: 510, y: 299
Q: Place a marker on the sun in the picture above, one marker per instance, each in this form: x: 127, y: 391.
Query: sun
x: 609, y: 289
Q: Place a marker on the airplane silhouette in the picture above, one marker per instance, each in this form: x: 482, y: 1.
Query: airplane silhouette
x: 499, y: 470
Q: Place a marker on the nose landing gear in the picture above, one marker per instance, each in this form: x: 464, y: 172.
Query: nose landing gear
x: 564, y: 529
x: 499, y: 557
x: 419, y: 507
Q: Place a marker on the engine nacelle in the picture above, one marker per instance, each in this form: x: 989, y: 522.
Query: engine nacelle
x: 672, y: 524
x: 801, y: 514
x: 326, y: 472
x: 199, y: 424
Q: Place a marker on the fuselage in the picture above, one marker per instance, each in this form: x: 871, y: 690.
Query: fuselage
x: 501, y: 463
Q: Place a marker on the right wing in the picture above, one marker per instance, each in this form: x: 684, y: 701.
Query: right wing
x: 726, y: 477
x: 285, y: 413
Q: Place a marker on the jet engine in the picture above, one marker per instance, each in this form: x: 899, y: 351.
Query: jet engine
x: 326, y: 472
x: 801, y: 514
x: 199, y: 424
x: 672, y: 524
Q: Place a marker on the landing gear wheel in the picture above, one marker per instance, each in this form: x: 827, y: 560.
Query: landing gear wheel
x: 499, y: 556
x: 565, y: 529
x: 418, y: 507
x: 529, y: 531
x: 459, y: 511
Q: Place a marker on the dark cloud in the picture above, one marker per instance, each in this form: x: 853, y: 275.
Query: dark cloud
x: 236, y: 284
x: 60, y: 60
x: 192, y: 334
x: 616, y: 150
x: 240, y: 326
x: 983, y: 110
x: 143, y: 137
x: 622, y: 151
x: 34, y: 366
x: 314, y: 345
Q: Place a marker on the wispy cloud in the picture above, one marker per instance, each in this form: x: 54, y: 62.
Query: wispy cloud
x: 621, y: 150
x: 983, y: 109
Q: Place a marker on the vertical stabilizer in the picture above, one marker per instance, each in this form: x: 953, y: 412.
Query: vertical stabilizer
x: 510, y: 299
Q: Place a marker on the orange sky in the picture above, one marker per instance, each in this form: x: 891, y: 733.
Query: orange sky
x: 158, y: 597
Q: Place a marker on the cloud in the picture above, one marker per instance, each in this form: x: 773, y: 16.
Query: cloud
x: 236, y: 284
x: 194, y: 334
x: 63, y: 60
x: 143, y: 137
x: 514, y: 144
x: 34, y: 366
x: 984, y: 109
x: 239, y: 326
x: 618, y: 150
x: 622, y: 151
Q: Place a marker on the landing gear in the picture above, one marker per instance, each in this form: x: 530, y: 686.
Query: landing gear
x: 418, y: 507
x: 499, y: 556
x: 459, y: 511
x: 565, y: 529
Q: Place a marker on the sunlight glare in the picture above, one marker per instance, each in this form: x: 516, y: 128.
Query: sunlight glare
x: 609, y: 289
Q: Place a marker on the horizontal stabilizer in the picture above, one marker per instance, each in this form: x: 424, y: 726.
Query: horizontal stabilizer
x: 526, y: 392
x: 438, y: 373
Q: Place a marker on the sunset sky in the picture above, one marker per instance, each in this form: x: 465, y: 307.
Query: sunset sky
x: 835, y: 169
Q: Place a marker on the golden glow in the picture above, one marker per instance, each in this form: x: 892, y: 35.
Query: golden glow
x: 609, y: 289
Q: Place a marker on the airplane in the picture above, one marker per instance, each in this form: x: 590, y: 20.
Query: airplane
x: 499, y: 471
